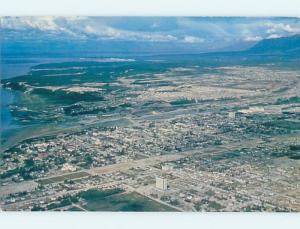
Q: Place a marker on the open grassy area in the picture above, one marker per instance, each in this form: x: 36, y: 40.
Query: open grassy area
x: 75, y: 209
x: 70, y: 176
x: 113, y: 200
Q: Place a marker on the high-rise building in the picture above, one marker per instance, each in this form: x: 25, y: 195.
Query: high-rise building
x: 231, y: 115
x: 161, y: 183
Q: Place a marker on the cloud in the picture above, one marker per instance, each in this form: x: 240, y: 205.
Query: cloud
x: 110, y: 33
x: 82, y: 27
x: 268, y: 28
x: 210, y: 32
x: 19, y: 23
x: 192, y: 39
x: 282, y: 27
x: 273, y: 36
x: 44, y: 24
x: 253, y: 38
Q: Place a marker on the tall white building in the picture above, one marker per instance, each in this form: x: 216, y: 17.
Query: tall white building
x: 161, y: 183
x: 231, y: 115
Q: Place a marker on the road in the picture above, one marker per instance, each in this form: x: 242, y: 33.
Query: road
x: 142, y: 163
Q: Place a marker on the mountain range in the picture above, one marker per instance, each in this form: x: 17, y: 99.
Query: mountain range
x: 284, y: 45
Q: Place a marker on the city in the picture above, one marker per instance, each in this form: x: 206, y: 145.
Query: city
x: 181, y: 140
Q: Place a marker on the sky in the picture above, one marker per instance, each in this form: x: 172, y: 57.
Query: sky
x: 143, y: 34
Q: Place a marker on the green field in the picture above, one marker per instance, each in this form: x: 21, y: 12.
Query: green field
x: 116, y: 200
x: 74, y: 209
x: 70, y: 176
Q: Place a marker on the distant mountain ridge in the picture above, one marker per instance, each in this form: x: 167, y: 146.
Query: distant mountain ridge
x: 284, y: 45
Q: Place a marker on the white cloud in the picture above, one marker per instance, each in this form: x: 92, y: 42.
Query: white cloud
x: 89, y: 29
x: 107, y: 32
x: 273, y: 36
x: 43, y: 23
x: 46, y: 23
x: 213, y: 30
x: 253, y: 38
x: 281, y: 27
x: 192, y: 39
x: 81, y: 27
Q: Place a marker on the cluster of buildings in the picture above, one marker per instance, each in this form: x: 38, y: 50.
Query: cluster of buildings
x: 236, y: 152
